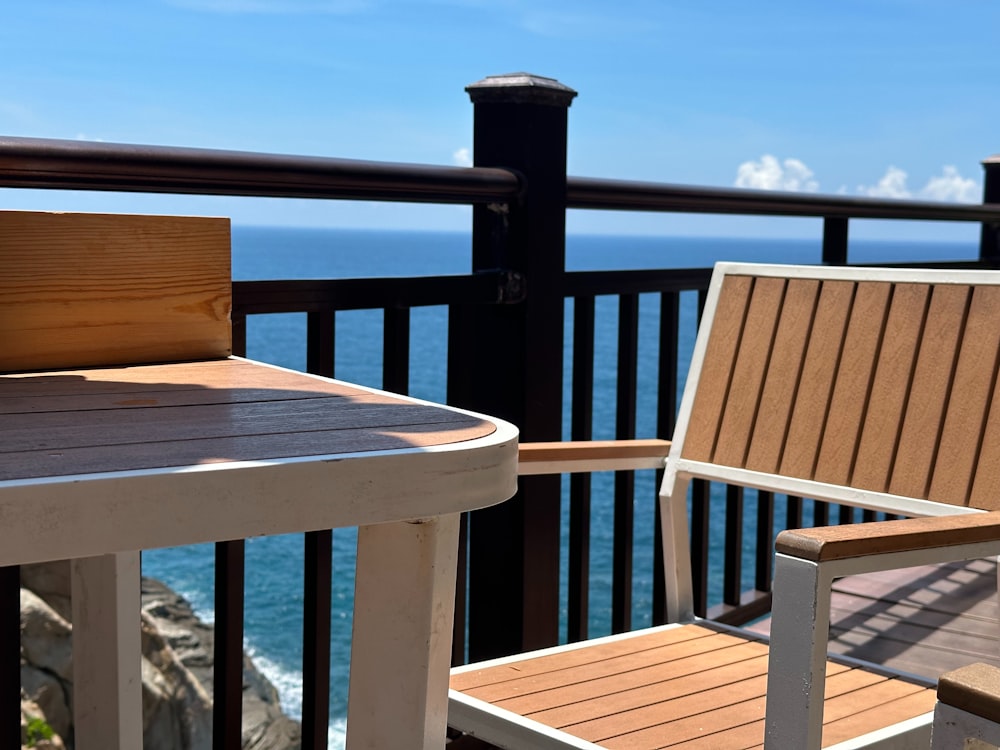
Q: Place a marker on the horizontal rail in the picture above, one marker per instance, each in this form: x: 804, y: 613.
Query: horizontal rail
x: 623, y: 195
x: 307, y: 295
x: 80, y: 165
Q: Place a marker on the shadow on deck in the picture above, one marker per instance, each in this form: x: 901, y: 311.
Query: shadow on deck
x: 924, y: 620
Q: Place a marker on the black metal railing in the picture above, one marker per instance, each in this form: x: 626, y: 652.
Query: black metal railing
x: 505, y: 350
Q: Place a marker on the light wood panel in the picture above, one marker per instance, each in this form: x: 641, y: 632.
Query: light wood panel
x: 96, y: 289
x: 883, y: 386
x: 784, y: 374
x: 717, y: 368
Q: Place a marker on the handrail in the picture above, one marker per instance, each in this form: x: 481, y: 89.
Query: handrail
x: 83, y: 165
x: 79, y: 165
x: 623, y: 195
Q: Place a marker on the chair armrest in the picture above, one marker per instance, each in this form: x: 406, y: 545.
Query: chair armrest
x: 591, y: 455
x: 828, y: 543
x: 974, y: 688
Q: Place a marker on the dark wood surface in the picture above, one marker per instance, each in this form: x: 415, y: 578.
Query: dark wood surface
x: 150, y: 416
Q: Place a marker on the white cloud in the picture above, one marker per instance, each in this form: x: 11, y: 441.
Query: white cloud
x: 462, y: 157
x: 770, y: 174
x: 892, y: 185
x: 273, y: 6
x: 951, y: 186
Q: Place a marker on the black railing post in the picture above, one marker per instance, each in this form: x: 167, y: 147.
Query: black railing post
x: 989, y: 241
x: 508, y: 361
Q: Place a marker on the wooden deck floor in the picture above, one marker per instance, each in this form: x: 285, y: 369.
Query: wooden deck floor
x: 923, y: 620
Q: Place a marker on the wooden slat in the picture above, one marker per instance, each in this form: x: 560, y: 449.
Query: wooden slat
x: 986, y: 482
x: 665, y: 721
x: 96, y: 289
x: 467, y: 680
x: 872, y: 715
x: 718, y: 672
x: 613, y: 667
x: 931, y: 389
x: 890, y: 387
x: 751, y: 734
x: 853, y: 383
x: 784, y: 371
x: 44, y: 463
x: 748, y: 376
x: 815, y: 388
x: 229, y: 416
x: 958, y: 455
x: 717, y: 368
x: 173, y: 422
x: 689, y: 729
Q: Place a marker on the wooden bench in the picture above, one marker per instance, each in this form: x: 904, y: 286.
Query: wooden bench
x: 873, y: 388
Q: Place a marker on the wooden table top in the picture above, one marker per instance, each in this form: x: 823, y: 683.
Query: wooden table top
x: 94, y: 461
x: 140, y: 417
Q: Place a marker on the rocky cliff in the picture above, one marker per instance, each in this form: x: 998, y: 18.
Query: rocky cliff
x: 176, y: 672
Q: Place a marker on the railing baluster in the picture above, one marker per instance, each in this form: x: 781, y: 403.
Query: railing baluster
x: 701, y: 501
x: 227, y: 710
x: 321, y: 330
x: 793, y: 513
x: 10, y: 655
x: 320, y: 342
x: 396, y: 350
x: 821, y: 513
x: 318, y: 580
x: 628, y: 358
x: 765, y: 541
x: 581, y: 428
x: 835, y: 240
x: 666, y: 414
x: 732, y: 577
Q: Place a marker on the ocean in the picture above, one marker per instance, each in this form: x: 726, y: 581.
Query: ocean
x: 273, y: 621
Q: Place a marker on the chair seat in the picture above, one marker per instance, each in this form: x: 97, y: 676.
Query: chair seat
x: 678, y: 686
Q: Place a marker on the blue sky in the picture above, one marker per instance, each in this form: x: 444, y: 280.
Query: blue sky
x: 882, y: 97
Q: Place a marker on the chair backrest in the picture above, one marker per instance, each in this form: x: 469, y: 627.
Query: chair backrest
x: 870, y: 386
x: 79, y: 290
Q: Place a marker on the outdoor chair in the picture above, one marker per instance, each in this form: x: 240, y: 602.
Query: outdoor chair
x: 872, y: 388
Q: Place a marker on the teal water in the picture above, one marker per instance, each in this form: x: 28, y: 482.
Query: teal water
x: 273, y: 624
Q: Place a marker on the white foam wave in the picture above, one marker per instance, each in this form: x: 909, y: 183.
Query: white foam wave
x: 288, y: 683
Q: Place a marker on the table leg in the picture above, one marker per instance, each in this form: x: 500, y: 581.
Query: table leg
x: 401, y: 649
x: 107, y: 662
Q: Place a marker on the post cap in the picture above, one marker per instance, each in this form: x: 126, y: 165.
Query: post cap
x: 520, y: 88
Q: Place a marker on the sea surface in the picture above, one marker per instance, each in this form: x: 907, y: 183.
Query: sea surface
x: 273, y: 624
